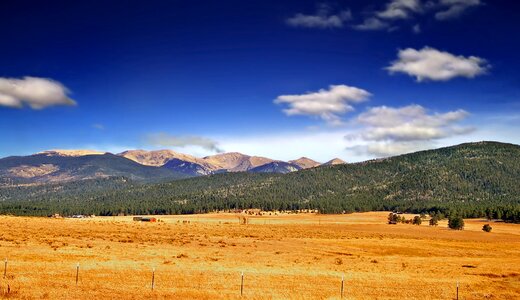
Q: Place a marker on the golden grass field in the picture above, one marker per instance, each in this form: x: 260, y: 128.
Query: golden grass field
x: 293, y: 256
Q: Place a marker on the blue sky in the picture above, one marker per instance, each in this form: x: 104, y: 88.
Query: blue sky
x: 348, y: 79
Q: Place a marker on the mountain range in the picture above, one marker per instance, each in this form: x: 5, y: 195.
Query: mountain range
x: 137, y: 165
x: 471, y: 180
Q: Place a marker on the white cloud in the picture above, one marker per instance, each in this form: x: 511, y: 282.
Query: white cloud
x: 431, y: 64
x: 321, y: 19
x: 388, y: 131
x: 372, y: 24
x: 326, y: 104
x: 35, y: 92
x: 454, y: 8
x: 400, y: 9
x: 167, y: 140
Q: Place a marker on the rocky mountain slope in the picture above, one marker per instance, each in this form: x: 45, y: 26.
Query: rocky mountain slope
x: 236, y: 162
x: 73, y: 153
x: 305, y: 163
x: 45, y: 168
x: 138, y: 165
x: 276, y: 167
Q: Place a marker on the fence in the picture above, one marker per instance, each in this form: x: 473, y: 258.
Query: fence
x: 224, y: 283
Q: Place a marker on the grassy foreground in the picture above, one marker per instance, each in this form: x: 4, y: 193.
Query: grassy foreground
x: 283, y: 257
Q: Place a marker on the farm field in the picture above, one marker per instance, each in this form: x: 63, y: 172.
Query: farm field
x: 285, y: 256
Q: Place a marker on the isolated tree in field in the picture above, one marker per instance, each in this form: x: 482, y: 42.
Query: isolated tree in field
x: 417, y: 220
x: 487, y: 228
x: 393, y: 218
x: 434, y: 221
x: 456, y: 223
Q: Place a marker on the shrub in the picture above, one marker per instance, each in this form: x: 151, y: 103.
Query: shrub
x: 434, y: 221
x: 487, y: 228
x: 393, y: 218
x: 417, y: 220
x: 456, y: 223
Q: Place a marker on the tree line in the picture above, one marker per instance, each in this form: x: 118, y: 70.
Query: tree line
x: 471, y: 180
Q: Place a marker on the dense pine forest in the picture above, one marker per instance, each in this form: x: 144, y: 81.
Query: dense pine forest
x: 468, y: 180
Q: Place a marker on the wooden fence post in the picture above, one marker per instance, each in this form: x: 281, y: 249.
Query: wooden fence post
x: 242, y: 284
x: 77, y: 273
x: 5, y: 268
x: 153, y: 278
x: 342, y: 285
x: 457, y: 290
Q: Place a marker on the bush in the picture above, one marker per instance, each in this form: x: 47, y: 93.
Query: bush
x: 434, y: 221
x: 487, y: 228
x: 456, y: 223
x: 417, y: 220
x: 393, y: 218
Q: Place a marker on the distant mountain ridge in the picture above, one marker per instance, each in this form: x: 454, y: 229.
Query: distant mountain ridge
x: 46, y: 168
x: 223, y: 162
x: 138, y: 165
x: 335, y: 161
x: 73, y: 153
x: 471, y: 180
x: 305, y: 163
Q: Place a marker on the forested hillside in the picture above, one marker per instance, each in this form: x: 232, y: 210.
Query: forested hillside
x: 474, y: 179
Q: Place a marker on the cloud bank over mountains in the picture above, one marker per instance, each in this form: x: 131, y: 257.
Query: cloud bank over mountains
x: 167, y: 140
x: 387, y: 131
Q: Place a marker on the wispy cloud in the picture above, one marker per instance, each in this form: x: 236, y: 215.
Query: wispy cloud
x: 167, y: 140
x: 327, y: 104
x: 400, y: 9
x: 397, y: 12
x: 432, y: 64
x: 454, y: 8
x: 372, y: 24
x: 35, y: 92
x: 390, y: 16
x: 322, y: 18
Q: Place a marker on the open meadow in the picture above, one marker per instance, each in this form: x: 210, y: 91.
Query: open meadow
x: 289, y: 256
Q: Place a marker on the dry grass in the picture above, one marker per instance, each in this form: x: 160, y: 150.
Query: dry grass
x: 283, y: 257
